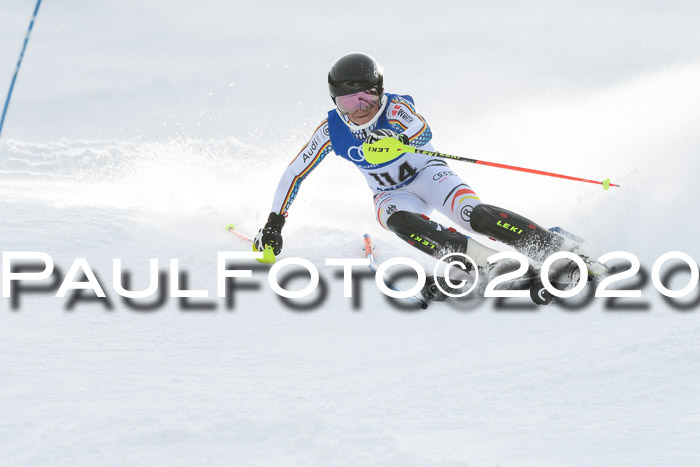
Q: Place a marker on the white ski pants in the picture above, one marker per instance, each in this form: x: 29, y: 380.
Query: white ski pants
x: 435, y: 187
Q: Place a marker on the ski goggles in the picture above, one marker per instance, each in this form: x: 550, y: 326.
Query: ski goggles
x: 360, y: 101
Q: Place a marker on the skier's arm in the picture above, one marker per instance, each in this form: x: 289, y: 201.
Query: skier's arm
x: 405, y: 120
x: 308, y: 159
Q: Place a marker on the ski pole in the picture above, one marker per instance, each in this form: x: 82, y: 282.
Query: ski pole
x: 387, y: 149
x: 19, y: 62
x: 232, y: 228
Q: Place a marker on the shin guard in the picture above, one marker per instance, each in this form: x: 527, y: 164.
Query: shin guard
x: 426, y: 235
x: 515, y: 230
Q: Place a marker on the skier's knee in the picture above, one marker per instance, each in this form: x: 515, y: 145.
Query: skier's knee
x: 407, y: 222
x: 398, y: 219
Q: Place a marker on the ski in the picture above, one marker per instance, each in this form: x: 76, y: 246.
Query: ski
x: 596, y: 270
x: 389, y: 283
x: 568, y: 276
x: 525, y: 282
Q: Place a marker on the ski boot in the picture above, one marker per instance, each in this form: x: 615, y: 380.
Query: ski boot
x: 432, y: 292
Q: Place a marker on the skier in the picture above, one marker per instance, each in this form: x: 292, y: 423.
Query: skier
x: 408, y: 188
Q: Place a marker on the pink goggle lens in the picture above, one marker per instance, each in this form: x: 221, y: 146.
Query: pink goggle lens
x: 363, y: 100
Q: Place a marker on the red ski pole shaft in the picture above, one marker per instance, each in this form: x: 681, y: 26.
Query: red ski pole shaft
x: 541, y: 172
x: 368, y: 245
x: 606, y: 183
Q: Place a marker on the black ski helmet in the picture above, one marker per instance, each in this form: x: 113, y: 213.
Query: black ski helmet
x: 354, y: 73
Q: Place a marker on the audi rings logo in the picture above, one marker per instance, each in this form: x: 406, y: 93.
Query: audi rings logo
x: 466, y: 213
x: 438, y: 176
x: 355, y: 154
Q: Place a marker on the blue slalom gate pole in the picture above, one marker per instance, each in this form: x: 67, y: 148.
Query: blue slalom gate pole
x: 19, y: 62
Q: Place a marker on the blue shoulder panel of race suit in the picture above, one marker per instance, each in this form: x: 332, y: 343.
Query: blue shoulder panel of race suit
x: 347, y: 146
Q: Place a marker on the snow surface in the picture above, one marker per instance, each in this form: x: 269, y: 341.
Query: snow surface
x: 140, y: 129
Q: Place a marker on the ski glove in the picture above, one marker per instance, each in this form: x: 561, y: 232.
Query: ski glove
x: 271, y: 234
x: 376, y: 135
